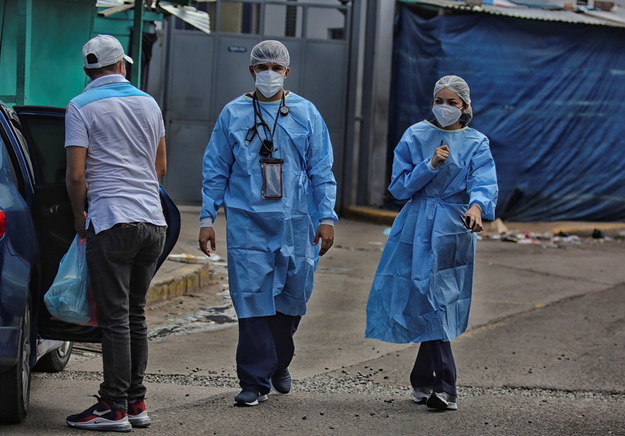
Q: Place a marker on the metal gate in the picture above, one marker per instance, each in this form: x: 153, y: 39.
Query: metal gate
x: 204, y: 71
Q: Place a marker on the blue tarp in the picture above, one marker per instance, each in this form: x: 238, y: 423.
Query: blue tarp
x: 549, y: 95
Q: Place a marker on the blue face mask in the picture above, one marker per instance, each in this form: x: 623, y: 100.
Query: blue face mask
x: 446, y: 115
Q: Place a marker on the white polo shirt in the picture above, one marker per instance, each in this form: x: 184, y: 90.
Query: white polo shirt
x: 120, y: 126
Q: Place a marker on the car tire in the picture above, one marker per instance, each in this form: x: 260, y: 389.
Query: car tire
x: 55, y: 360
x: 15, y: 392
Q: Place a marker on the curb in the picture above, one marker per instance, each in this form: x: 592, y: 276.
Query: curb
x: 581, y: 228
x: 186, y: 279
x: 586, y: 229
x: 370, y: 214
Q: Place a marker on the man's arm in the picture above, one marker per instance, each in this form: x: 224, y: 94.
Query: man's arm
x: 77, y: 186
x: 319, y: 170
x: 216, y: 167
x: 161, y: 159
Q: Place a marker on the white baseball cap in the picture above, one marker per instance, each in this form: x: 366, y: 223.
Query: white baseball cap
x: 103, y: 50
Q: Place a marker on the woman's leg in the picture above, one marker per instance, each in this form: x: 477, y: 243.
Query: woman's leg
x: 422, y: 375
x: 444, y: 367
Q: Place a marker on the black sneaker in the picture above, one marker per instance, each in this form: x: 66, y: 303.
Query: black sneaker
x: 138, y: 413
x: 249, y: 398
x: 442, y: 401
x: 281, y: 382
x: 101, y: 417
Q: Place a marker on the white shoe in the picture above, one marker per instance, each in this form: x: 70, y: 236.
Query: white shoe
x: 421, y: 395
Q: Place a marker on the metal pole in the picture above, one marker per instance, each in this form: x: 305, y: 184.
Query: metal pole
x: 353, y: 30
x: 24, y: 46
x: 366, y: 131
x: 136, y: 43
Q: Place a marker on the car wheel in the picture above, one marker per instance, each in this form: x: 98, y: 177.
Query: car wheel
x: 15, y: 392
x: 55, y: 360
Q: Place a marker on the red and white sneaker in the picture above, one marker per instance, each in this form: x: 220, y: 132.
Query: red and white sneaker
x: 100, y: 417
x: 138, y: 413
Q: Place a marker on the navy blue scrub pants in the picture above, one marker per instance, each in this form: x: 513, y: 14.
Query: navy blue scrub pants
x: 265, y: 348
x: 434, y: 367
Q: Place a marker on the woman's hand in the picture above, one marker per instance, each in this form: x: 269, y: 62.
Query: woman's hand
x: 440, y: 155
x: 475, y: 218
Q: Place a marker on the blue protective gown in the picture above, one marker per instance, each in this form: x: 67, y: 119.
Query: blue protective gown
x: 422, y: 287
x: 271, y: 259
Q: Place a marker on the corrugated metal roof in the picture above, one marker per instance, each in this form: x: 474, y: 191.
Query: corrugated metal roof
x: 198, y: 19
x: 596, y: 18
x: 608, y: 16
x: 109, y: 3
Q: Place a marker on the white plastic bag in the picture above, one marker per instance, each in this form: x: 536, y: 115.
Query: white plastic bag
x: 68, y: 298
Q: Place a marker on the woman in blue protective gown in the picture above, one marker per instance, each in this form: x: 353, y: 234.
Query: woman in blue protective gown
x: 422, y: 287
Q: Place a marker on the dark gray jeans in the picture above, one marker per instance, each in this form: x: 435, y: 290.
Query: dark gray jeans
x: 122, y: 262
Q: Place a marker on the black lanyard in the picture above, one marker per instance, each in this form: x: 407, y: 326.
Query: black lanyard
x: 266, y: 148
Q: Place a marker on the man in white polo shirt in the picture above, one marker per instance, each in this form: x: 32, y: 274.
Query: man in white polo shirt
x: 115, y: 142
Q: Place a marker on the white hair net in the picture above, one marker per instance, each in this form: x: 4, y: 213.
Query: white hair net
x: 270, y: 51
x: 460, y: 87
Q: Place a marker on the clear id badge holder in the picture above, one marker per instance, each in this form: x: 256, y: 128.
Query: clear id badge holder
x: 271, y: 168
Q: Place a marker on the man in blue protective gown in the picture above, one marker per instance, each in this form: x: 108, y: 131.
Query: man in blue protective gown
x: 269, y: 162
x: 422, y: 287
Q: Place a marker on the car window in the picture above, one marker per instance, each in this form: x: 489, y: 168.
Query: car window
x: 12, y: 161
x: 21, y: 139
x: 6, y: 161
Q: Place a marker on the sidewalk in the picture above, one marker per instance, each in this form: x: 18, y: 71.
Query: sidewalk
x: 177, y: 278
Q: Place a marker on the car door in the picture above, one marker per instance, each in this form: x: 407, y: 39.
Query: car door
x: 44, y: 128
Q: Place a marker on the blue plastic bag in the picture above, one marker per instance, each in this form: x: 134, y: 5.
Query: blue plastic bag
x: 68, y: 298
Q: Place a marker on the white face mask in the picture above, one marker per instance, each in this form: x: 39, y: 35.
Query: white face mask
x: 446, y: 115
x: 269, y: 82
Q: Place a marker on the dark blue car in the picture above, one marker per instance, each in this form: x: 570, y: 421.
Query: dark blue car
x: 36, y: 229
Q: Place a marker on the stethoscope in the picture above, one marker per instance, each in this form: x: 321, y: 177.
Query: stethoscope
x: 267, y: 147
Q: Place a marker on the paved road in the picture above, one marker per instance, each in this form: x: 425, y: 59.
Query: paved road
x: 543, y: 355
